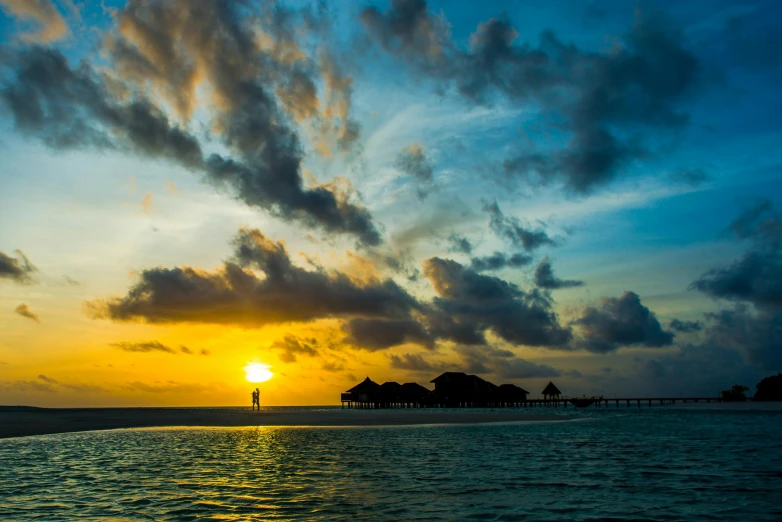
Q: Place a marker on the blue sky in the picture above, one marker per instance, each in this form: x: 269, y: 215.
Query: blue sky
x: 447, y: 121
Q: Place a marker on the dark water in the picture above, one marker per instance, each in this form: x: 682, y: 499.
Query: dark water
x: 654, y: 464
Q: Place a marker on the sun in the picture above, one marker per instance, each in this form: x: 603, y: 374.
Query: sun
x: 257, y: 372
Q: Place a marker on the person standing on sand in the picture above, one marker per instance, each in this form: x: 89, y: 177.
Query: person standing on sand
x: 256, y: 399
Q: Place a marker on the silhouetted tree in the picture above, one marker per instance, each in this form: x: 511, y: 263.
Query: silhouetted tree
x: 736, y: 393
x: 769, y: 389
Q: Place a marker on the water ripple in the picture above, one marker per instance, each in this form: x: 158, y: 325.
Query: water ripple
x: 651, y: 465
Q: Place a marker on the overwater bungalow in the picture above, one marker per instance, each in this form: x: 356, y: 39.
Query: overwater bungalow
x: 551, y: 392
x: 511, y: 395
x: 451, y: 390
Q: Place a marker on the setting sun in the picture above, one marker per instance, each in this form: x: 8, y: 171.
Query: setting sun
x: 257, y: 372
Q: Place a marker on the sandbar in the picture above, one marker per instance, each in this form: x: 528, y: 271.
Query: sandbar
x: 20, y: 421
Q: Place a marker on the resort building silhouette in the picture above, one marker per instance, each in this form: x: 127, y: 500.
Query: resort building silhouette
x: 451, y: 390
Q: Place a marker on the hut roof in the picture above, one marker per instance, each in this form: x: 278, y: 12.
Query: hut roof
x: 414, y: 389
x: 390, y: 387
x: 513, y: 387
x: 366, y: 385
x: 450, y: 376
x: 550, y: 389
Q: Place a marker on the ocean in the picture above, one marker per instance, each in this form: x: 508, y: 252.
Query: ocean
x: 695, y: 462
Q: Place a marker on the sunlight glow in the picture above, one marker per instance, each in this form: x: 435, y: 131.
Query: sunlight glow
x: 257, y: 372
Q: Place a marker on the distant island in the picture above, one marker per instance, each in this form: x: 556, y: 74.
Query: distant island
x: 768, y: 389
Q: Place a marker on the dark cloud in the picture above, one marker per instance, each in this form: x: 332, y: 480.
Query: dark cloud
x: 685, y: 326
x: 545, y: 278
x: 470, y: 303
x: 234, y: 294
x: 293, y: 347
x: 17, y: 270
x: 511, y: 230
x: 498, y: 261
x: 614, y: 104
x: 502, y: 363
x: 413, y: 362
x: 459, y: 244
x: 379, y: 334
x: 753, y: 327
x: 143, y: 347
x: 167, y: 49
x: 186, y: 350
x: 620, y: 321
x: 694, y: 369
x: 25, y: 311
x: 756, y: 277
x: 758, y: 335
x: 204, y: 351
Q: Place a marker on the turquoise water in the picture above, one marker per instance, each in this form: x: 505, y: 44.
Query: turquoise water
x: 660, y: 463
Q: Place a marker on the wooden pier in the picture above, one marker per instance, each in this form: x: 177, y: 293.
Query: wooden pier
x: 351, y: 401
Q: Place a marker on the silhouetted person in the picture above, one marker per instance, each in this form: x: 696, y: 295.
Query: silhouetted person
x: 256, y: 399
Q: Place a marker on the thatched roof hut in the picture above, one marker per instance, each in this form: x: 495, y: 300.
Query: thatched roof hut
x: 551, y: 391
x: 511, y: 392
x: 414, y: 391
x: 365, y: 386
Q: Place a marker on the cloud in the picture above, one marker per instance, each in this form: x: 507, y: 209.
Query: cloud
x: 186, y: 350
x: 615, y: 322
x: 413, y: 362
x: 756, y: 335
x: 52, y: 26
x: 379, y: 334
x: 498, y: 261
x: 17, y: 270
x: 614, y: 104
x: 459, y: 244
x: 412, y: 160
x: 293, y: 347
x: 511, y: 230
x: 685, y: 326
x: 144, y: 347
x: 46, y: 379
x: 502, y: 363
x: 754, y: 326
x: 545, y: 278
x: 168, y: 49
x: 25, y: 311
x: 756, y: 277
x: 470, y: 303
x: 234, y: 294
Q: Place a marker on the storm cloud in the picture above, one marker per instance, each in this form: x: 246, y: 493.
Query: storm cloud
x: 611, y: 103
x: 469, y: 303
x: 379, y: 334
x: 235, y: 294
x: 168, y: 49
x: 615, y: 322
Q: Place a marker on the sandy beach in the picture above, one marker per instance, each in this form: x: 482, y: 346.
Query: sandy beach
x: 24, y: 421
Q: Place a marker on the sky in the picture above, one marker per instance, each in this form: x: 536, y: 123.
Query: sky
x: 581, y: 192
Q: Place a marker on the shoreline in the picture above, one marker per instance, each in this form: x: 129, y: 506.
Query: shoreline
x: 28, y: 421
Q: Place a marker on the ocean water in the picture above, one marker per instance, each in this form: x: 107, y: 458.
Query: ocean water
x: 659, y: 463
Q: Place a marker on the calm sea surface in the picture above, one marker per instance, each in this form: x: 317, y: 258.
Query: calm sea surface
x: 659, y: 463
